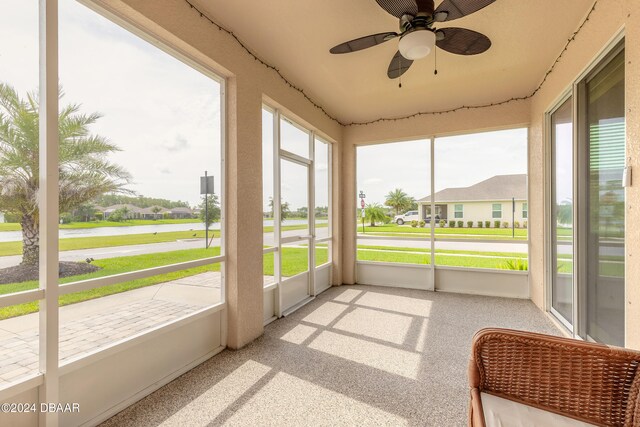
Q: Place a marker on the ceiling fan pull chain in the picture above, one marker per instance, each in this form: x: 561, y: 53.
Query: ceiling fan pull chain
x: 400, y: 71
x: 435, y: 62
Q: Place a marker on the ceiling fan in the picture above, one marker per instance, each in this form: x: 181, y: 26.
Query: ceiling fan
x: 418, y: 35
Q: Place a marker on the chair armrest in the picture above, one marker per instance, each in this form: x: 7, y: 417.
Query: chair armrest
x: 589, y: 382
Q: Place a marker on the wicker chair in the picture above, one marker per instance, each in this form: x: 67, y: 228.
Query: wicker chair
x: 592, y: 383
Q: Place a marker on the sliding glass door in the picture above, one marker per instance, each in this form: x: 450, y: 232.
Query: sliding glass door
x: 605, y: 134
x: 562, y: 212
x: 587, y: 205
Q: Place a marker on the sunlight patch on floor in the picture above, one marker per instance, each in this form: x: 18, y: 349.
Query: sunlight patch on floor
x: 299, y: 402
x: 205, y: 408
x: 376, y: 324
x: 397, y: 303
x: 378, y: 356
x: 298, y: 334
x: 347, y: 295
x: 326, y: 313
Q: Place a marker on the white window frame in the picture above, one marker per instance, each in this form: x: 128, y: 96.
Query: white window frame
x: 456, y: 211
x: 494, y: 210
x: 280, y: 154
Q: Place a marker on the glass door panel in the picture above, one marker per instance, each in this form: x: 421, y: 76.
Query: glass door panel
x: 605, y: 203
x: 295, y: 239
x: 294, y: 196
x: 322, y: 189
x: 562, y: 210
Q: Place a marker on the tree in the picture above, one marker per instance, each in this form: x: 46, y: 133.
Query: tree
x: 212, y: 209
x: 399, y: 200
x: 85, y: 172
x: 564, y: 212
x: 156, y: 210
x: 84, y: 212
x: 374, y: 213
x: 285, y: 211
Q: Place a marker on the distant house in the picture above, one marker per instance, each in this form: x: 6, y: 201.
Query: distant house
x: 181, y: 213
x: 133, y: 212
x: 153, y: 212
x: 488, y: 200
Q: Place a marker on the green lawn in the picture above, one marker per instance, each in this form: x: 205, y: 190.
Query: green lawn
x: 445, y: 258
x: 15, y: 248
x: 101, y: 224
x: 111, y: 266
x: 295, y: 261
x: 462, y: 233
x: 76, y: 243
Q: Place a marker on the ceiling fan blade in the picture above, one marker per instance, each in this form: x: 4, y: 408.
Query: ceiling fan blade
x: 363, y: 43
x: 454, y: 9
x: 398, y: 8
x: 462, y: 41
x: 398, y: 66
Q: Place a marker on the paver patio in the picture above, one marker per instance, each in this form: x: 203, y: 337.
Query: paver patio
x: 94, y: 324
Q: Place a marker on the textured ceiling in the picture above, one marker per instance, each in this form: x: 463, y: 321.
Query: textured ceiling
x: 296, y: 35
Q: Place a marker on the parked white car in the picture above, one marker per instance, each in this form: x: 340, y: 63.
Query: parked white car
x: 406, y: 217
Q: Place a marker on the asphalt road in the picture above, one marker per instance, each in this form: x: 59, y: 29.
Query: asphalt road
x: 119, y: 251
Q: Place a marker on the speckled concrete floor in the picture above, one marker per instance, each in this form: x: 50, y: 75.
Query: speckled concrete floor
x: 357, y: 355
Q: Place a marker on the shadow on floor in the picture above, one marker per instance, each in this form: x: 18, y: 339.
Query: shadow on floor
x: 357, y: 355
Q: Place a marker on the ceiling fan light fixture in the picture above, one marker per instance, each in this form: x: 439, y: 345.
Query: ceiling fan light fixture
x: 417, y: 44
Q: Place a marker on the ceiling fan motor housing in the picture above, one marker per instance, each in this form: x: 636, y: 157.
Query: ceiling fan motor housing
x: 416, y: 44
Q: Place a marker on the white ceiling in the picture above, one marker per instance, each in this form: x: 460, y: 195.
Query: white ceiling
x: 296, y: 35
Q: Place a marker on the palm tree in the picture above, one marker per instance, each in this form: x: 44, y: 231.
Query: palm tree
x: 85, y: 172
x: 374, y: 213
x: 398, y: 200
x: 156, y: 210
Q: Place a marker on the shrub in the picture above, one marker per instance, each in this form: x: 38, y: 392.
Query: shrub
x: 480, y: 223
x: 421, y: 223
x: 166, y: 215
x: 524, y: 224
x: 505, y: 224
x: 516, y: 264
x: 386, y: 219
x: 516, y: 224
x: 116, y: 216
x: 443, y: 223
x: 414, y: 223
x: 460, y: 224
x: 452, y: 224
x: 12, y: 217
x: 487, y: 224
x: 470, y: 224
x: 99, y: 216
x: 496, y: 224
x: 66, y: 218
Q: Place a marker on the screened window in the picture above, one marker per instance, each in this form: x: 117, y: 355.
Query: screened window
x: 459, y: 213
x: 496, y: 211
x: 525, y: 210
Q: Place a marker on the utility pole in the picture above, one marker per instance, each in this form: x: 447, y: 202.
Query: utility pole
x: 513, y: 217
x: 362, y: 205
x: 206, y: 213
x: 206, y: 185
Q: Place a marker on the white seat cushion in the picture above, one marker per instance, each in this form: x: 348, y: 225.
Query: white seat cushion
x: 499, y: 412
